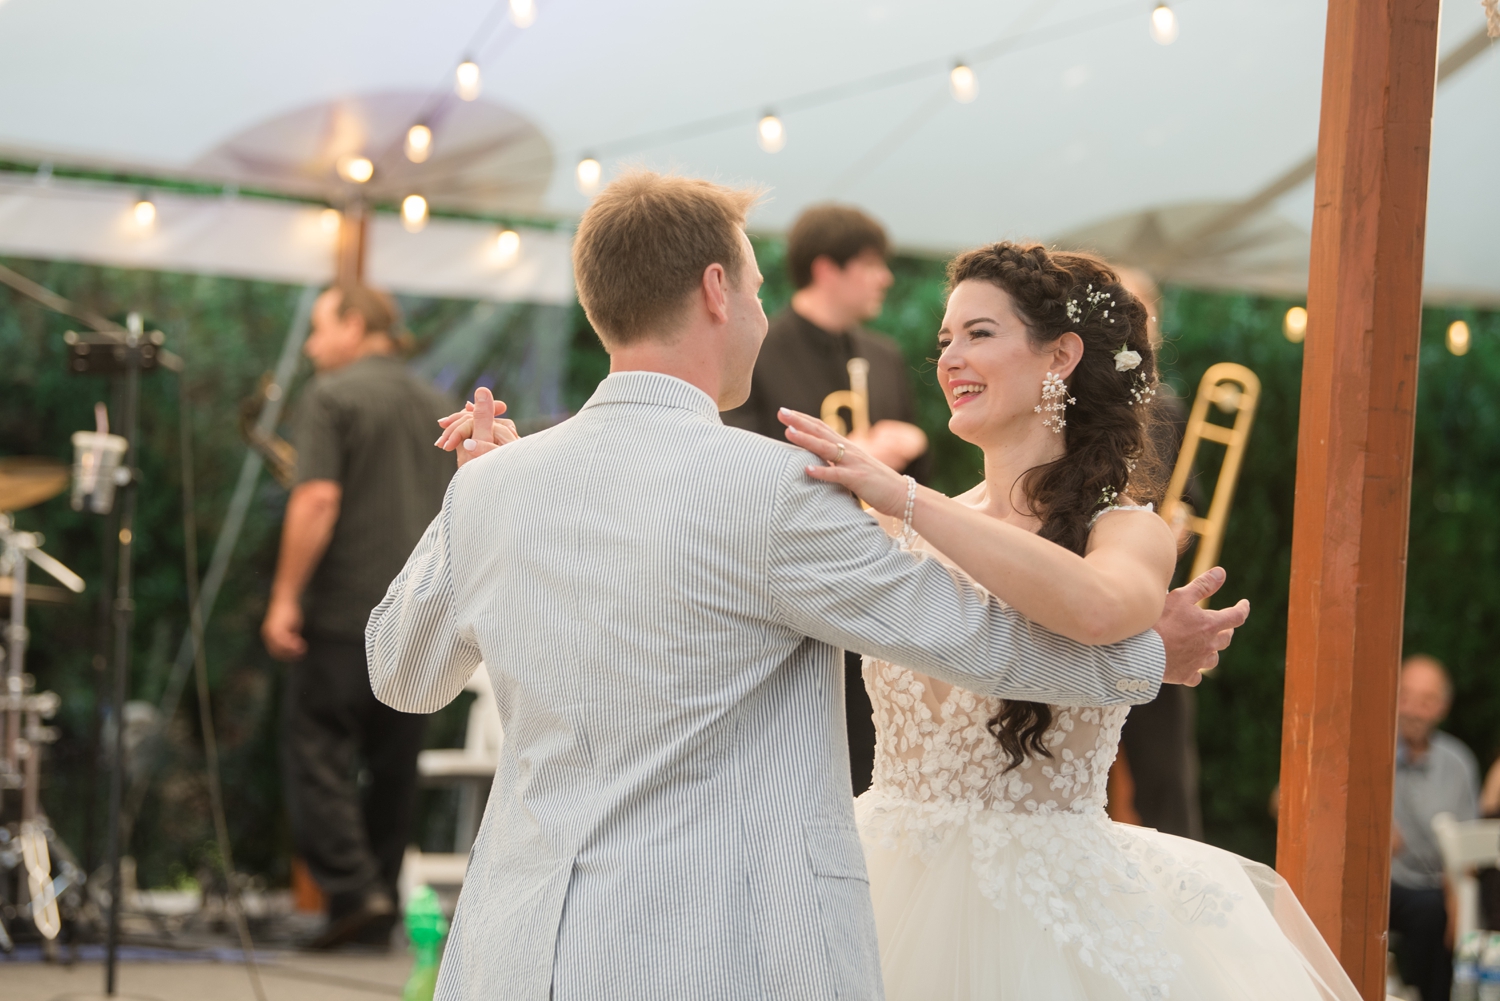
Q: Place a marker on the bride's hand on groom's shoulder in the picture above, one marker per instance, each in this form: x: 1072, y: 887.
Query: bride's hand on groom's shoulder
x: 850, y: 466
x: 1194, y: 636
x: 477, y: 428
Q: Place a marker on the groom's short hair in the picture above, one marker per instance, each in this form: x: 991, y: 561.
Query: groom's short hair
x: 642, y: 247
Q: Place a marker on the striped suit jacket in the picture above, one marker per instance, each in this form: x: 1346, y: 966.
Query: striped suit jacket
x: 661, y: 601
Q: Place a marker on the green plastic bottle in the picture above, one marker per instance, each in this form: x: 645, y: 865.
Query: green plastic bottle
x: 425, y: 929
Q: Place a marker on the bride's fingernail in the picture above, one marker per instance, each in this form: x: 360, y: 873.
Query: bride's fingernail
x: 469, y: 445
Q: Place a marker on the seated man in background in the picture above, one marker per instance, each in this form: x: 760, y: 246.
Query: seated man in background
x: 836, y: 256
x: 1435, y: 773
x: 368, y: 483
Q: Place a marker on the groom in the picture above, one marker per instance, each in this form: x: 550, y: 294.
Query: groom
x: 661, y: 602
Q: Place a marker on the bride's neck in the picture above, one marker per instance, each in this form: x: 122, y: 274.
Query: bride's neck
x: 1005, y: 462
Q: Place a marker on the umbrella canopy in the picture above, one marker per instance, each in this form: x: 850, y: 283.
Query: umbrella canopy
x: 1080, y: 126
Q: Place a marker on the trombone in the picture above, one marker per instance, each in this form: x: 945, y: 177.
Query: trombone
x: 1233, y: 389
x: 855, y: 399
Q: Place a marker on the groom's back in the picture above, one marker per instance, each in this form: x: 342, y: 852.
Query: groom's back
x: 673, y: 775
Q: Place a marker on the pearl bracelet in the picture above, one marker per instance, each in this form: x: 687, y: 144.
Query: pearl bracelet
x: 908, y: 535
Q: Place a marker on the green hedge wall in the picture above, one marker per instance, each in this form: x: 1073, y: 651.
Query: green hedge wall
x: 232, y: 330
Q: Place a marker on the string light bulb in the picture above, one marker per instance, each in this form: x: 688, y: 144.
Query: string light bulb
x: 355, y: 169
x: 1458, y: 337
x: 1163, y: 24
x: 330, y: 219
x: 1295, y: 324
x: 523, y: 12
x: 466, y: 80
x: 507, y: 247
x: 418, y: 143
x: 413, y: 212
x: 963, y: 83
x: 144, y: 212
x: 770, y: 133
x: 589, y: 173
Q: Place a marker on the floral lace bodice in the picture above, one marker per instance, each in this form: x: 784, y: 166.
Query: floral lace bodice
x: 934, y: 748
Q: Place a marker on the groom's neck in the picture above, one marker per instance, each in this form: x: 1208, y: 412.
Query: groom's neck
x: 698, y: 368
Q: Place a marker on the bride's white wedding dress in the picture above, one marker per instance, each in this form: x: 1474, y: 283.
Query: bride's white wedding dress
x: 994, y: 884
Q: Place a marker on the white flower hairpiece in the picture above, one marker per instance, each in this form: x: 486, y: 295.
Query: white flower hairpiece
x: 1093, y: 300
x: 1126, y: 359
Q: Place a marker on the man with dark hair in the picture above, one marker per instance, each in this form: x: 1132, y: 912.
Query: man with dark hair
x: 836, y: 256
x: 368, y: 483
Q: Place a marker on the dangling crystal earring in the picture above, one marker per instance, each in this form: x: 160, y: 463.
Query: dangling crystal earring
x: 1055, y: 400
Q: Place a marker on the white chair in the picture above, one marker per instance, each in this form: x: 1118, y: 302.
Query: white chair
x: 472, y: 768
x: 1466, y: 845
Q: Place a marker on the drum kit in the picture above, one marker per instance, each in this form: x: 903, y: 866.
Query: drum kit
x: 38, y: 871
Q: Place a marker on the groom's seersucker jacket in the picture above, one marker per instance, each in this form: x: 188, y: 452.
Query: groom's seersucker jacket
x: 661, y: 601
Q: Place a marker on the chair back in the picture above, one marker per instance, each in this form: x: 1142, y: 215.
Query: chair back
x: 1466, y: 845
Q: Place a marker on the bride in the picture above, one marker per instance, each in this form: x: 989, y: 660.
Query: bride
x: 994, y: 869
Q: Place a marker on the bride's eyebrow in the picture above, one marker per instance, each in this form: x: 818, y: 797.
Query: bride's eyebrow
x: 980, y: 319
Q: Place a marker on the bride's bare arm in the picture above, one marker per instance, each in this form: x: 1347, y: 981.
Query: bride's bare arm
x: 1116, y: 590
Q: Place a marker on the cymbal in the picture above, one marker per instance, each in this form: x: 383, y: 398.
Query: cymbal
x: 34, y: 592
x: 25, y: 481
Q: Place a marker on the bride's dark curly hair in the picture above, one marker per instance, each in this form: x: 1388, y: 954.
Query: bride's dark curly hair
x: 1108, y: 441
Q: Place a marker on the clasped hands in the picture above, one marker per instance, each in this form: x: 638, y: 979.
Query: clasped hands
x: 1192, y: 636
x: 476, y: 429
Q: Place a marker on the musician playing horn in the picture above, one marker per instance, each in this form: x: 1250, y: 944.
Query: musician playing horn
x: 836, y: 256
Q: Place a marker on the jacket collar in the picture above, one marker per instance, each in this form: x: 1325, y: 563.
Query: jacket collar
x: 654, y: 389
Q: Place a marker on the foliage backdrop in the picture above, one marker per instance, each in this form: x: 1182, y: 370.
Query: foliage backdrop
x: 231, y: 331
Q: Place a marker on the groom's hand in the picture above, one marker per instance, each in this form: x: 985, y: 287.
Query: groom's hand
x: 1194, y: 636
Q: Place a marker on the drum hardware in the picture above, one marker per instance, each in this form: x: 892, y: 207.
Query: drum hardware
x: 855, y: 399
x: 23, y: 710
x: 1232, y: 389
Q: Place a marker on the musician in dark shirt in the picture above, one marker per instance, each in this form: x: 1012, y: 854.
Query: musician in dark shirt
x: 836, y: 256
x: 368, y: 483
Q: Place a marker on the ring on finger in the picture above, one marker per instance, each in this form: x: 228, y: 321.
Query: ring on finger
x: 840, y: 457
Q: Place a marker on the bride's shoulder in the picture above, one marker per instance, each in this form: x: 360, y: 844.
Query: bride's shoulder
x: 1129, y: 522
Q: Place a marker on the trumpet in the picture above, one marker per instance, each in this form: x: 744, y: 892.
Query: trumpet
x: 855, y: 399
x: 1233, y: 389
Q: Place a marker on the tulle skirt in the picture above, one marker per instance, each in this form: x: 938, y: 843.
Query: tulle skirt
x: 1072, y: 907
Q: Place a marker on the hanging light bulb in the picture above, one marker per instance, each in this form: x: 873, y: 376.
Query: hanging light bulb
x: 1295, y: 324
x: 589, y: 172
x: 963, y: 83
x: 771, y: 133
x: 144, y: 212
x: 1163, y: 24
x: 355, y: 169
x: 1458, y: 337
x: 418, y: 143
x: 329, y: 219
x: 466, y: 80
x: 413, y: 212
x: 507, y: 247
x: 523, y: 12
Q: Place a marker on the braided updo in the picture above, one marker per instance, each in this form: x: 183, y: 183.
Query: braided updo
x: 1109, y: 445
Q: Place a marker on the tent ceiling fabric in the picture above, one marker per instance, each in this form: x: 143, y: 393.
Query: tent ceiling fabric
x: 1080, y: 119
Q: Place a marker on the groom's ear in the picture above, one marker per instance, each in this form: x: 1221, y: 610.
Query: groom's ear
x: 715, y: 291
x: 1067, y: 352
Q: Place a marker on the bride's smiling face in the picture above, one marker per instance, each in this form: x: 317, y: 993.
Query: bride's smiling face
x: 990, y: 372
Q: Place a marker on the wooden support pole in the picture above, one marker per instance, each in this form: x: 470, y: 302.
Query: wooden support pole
x: 1354, y: 449
x: 354, y: 226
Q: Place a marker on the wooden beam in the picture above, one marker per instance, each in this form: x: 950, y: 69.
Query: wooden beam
x: 1354, y: 450
x: 354, y: 226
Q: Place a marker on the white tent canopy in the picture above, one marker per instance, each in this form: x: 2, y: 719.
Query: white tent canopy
x: 1084, y: 128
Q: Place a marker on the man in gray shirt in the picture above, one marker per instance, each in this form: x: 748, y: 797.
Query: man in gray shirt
x: 1435, y: 773
x: 368, y: 483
